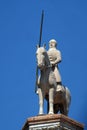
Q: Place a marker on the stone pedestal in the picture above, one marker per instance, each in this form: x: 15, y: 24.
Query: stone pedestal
x: 52, y: 122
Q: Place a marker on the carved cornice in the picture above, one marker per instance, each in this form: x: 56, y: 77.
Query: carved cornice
x: 52, y: 122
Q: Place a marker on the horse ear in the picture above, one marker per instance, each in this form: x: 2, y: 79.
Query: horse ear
x: 44, y: 45
x: 37, y: 46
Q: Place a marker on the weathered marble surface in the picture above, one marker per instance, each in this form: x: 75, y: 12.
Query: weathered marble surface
x: 58, y: 97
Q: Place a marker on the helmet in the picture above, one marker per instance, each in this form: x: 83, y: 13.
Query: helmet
x: 53, y: 41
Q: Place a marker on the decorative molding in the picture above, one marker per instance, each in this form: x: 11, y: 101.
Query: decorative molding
x: 52, y: 122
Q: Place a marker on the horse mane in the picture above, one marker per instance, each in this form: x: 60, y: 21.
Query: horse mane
x: 47, y: 58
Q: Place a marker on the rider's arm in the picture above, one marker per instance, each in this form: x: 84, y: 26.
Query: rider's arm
x: 58, y: 57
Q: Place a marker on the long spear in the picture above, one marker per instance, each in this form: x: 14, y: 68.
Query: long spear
x: 41, y: 25
x: 40, y: 38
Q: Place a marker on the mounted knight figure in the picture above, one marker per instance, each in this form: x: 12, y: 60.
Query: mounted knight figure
x: 49, y: 82
x: 55, y: 59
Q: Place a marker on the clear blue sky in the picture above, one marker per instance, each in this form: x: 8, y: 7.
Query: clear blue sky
x: 65, y: 21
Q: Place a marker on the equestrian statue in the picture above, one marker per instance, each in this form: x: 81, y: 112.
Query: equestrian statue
x: 48, y: 82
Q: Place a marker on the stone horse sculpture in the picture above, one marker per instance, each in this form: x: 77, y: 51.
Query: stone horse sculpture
x: 57, y: 96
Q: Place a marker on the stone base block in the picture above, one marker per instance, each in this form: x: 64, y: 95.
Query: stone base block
x: 52, y: 122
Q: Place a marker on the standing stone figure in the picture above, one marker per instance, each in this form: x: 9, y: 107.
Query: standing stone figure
x: 55, y: 58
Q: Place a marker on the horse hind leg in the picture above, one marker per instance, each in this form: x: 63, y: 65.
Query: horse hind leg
x: 56, y: 108
x: 64, y: 110
x: 51, y: 97
x: 41, y: 100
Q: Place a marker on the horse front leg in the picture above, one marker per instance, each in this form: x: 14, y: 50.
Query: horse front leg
x: 41, y: 98
x: 51, y: 99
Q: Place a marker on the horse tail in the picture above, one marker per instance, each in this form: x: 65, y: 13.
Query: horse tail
x: 68, y: 96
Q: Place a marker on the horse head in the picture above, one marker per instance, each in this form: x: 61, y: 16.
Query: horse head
x: 41, y: 56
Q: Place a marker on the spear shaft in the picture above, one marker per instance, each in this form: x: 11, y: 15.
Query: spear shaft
x: 40, y: 38
x: 41, y: 25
